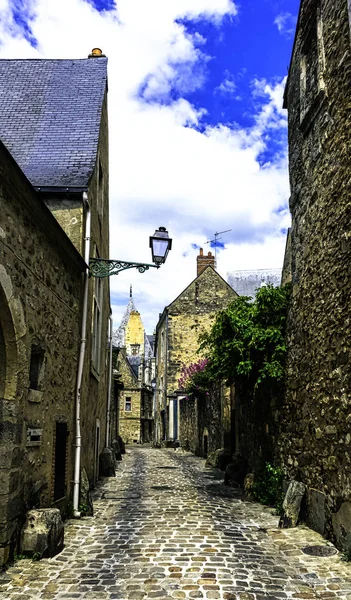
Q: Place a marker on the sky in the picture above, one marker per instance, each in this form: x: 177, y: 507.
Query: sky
x: 198, y: 135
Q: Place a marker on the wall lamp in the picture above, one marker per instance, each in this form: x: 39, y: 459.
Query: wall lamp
x: 160, y: 244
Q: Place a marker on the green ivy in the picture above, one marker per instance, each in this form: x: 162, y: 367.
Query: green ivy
x: 247, y: 340
x: 268, y: 486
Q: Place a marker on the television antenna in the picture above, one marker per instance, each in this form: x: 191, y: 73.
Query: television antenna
x: 217, y: 236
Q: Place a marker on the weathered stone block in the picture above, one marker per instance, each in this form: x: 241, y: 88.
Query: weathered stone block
x: 107, y: 463
x: 117, y: 450
x: 316, y: 501
x: 219, y: 459
x: 292, y: 504
x: 35, y: 396
x: 341, y: 523
x: 248, y: 485
x: 43, y: 532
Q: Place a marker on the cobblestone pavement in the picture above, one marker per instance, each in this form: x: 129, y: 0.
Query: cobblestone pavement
x: 166, y: 527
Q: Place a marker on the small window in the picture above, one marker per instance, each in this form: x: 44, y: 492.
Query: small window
x: 128, y: 405
x: 36, y: 369
x: 135, y: 348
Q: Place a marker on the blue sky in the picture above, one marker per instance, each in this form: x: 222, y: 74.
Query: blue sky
x: 198, y: 137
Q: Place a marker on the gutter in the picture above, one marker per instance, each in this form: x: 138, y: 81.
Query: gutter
x: 83, y: 340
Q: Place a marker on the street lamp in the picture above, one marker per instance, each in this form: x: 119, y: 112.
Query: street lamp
x: 160, y: 244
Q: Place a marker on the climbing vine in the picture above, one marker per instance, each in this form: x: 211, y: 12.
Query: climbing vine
x: 247, y: 340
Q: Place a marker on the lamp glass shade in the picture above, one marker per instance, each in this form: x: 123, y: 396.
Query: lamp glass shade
x: 160, y: 244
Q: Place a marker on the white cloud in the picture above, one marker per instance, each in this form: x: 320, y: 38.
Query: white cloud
x: 286, y: 23
x: 228, y: 85
x: 164, y: 169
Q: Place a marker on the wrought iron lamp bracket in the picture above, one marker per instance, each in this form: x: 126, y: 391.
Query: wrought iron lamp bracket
x: 100, y: 267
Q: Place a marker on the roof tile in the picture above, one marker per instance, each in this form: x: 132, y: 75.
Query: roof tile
x: 50, y: 117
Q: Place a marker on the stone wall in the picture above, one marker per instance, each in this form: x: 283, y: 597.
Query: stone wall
x: 40, y: 290
x: 256, y: 425
x: 315, y: 444
x: 205, y: 421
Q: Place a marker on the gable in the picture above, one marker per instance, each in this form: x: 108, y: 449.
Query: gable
x: 207, y: 293
x: 128, y: 376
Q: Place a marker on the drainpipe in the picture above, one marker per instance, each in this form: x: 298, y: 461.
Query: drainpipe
x: 166, y: 380
x: 108, y: 412
x: 83, y: 340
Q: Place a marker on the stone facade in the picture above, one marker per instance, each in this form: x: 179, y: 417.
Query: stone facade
x: 177, y: 336
x: 206, y: 421
x: 315, y: 443
x: 40, y: 290
x: 42, y: 239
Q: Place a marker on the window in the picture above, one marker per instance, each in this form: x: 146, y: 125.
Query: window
x: 128, y: 404
x: 36, y: 369
x: 135, y: 348
x: 97, y: 308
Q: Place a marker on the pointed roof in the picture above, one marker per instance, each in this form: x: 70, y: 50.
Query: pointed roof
x: 50, y: 118
x: 118, y: 335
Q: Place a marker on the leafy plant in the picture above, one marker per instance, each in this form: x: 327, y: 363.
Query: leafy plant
x: 36, y: 556
x: 267, y: 487
x: 20, y: 557
x: 247, y: 340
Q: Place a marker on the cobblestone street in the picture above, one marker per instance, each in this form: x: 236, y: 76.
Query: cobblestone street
x: 166, y: 527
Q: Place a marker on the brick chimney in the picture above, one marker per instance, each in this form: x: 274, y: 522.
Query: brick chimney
x: 204, y: 261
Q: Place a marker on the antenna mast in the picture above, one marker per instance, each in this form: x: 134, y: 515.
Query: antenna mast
x: 217, y: 236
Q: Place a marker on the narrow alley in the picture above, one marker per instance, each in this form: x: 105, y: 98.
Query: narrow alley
x: 167, y: 527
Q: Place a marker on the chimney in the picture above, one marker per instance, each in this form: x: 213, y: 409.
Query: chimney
x: 96, y: 53
x: 205, y: 261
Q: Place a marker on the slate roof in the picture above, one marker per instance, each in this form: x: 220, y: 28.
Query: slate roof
x: 245, y: 283
x: 50, y: 117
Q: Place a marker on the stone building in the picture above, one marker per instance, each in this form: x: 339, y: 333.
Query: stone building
x: 136, y: 371
x: 177, y: 335
x: 53, y: 200
x: 315, y: 443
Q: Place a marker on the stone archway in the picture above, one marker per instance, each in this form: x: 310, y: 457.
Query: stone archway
x: 12, y: 329
x: 8, y: 349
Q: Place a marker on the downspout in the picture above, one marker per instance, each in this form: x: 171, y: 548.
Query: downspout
x: 83, y: 340
x: 108, y: 411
